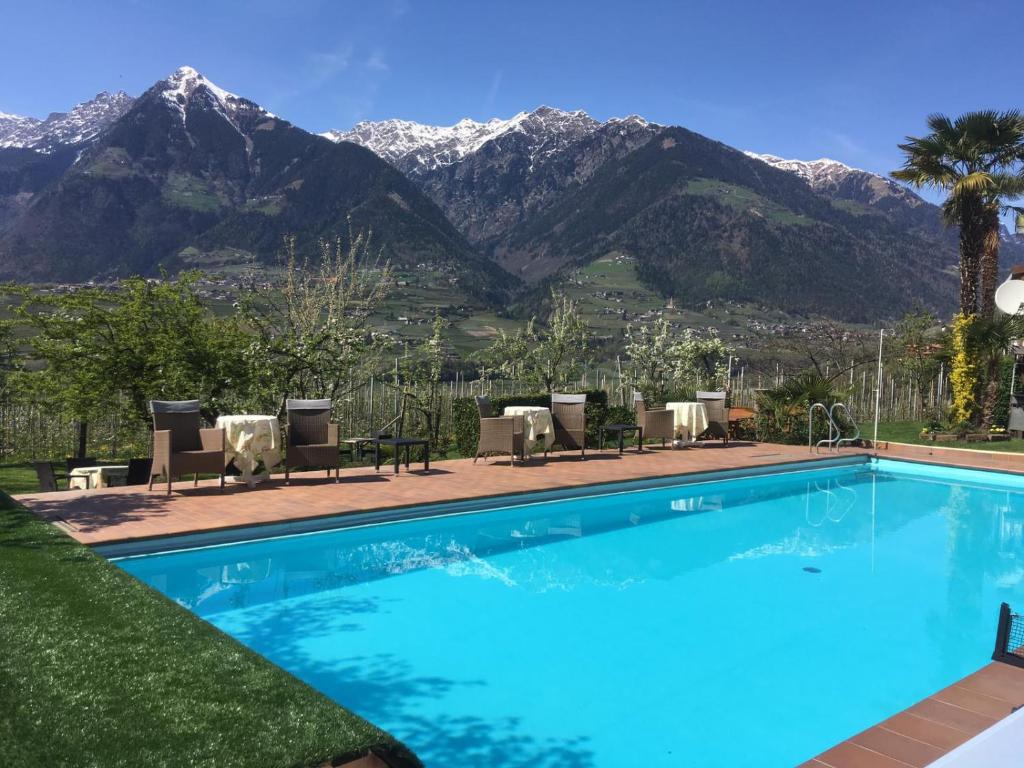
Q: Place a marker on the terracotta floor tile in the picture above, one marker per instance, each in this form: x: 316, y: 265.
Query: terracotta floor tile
x: 1000, y: 681
x: 980, y: 703
x: 898, y: 746
x: 124, y: 514
x: 952, y: 716
x: 850, y: 755
x: 928, y: 731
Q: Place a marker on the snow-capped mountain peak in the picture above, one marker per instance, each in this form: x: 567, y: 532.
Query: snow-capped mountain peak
x: 418, y: 148
x: 814, y: 172
x: 77, y: 126
x: 186, y: 83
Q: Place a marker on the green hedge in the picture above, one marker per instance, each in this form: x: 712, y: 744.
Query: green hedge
x: 466, y: 422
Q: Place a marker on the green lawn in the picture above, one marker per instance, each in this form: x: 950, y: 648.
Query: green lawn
x: 97, y: 669
x: 910, y: 432
x: 19, y: 478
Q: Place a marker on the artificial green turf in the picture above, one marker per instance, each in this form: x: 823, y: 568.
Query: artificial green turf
x: 910, y: 432
x: 97, y: 669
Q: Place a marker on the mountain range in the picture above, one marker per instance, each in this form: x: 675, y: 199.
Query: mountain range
x: 189, y: 174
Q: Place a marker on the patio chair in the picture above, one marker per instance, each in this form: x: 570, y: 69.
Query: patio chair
x: 568, y: 415
x: 139, y: 471
x: 181, y: 445
x: 46, y: 476
x: 656, y: 423
x: 499, y: 434
x: 311, y: 438
x: 718, y: 414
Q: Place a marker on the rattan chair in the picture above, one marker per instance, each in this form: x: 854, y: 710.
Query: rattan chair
x: 655, y: 423
x: 311, y: 438
x: 499, y: 434
x: 46, y: 476
x: 180, y: 444
x: 139, y: 471
x: 718, y: 414
x: 569, y: 417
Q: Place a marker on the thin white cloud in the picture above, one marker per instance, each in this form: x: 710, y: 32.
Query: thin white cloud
x: 492, y: 92
x: 377, y: 62
x: 325, y: 66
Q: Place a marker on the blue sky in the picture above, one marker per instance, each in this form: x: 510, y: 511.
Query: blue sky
x: 799, y: 79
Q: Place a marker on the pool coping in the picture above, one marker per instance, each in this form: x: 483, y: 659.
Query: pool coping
x: 402, y: 512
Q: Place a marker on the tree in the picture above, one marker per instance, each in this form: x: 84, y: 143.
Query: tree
x: 550, y: 357
x: 988, y: 340
x: 917, y: 350
x: 666, y: 364
x: 422, y: 372
x: 312, y: 336
x: 139, y: 341
x: 974, y: 159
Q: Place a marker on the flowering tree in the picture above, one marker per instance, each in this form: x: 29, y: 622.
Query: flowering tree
x: 312, y: 336
x: 549, y: 357
x: 665, y: 364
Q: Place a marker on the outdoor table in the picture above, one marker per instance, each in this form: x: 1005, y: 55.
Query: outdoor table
x: 398, y: 443
x: 357, y: 445
x: 537, y: 424
x: 83, y: 478
x: 621, y: 429
x: 248, y: 440
x: 693, y: 417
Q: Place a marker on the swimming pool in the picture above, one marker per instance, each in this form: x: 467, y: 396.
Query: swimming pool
x: 753, y: 621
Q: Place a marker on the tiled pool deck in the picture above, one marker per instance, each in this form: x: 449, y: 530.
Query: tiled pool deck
x: 105, y: 516
x: 915, y: 737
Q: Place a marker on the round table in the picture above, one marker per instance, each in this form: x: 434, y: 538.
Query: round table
x: 248, y: 440
x: 691, y: 417
x: 537, y: 424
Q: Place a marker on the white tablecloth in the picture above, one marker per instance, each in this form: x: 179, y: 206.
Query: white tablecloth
x: 249, y: 440
x: 537, y: 424
x: 690, y: 419
x: 98, y: 477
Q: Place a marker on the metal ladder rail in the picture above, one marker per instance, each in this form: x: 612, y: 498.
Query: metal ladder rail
x: 833, y: 430
x: 856, y: 426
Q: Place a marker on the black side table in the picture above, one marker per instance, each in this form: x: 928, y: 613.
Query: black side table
x: 397, y: 443
x: 620, y: 430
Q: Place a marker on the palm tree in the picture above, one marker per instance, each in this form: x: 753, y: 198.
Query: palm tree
x: 989, y: 340
x: 973, y: 158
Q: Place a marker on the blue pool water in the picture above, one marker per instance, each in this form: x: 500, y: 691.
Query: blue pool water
x: 750, y: 622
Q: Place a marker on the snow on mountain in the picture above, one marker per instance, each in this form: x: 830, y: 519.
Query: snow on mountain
x: 185, y: 84
x: 417, y: 148
x: 837, y: 179
x: 817, y: 173
x: 82, y: 123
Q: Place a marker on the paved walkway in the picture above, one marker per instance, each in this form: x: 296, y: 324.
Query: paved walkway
x: 108, y: 515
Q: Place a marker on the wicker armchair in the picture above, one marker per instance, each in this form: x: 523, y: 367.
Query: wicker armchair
x: 181, y: 445
x: 568, y: 415
x: 499, y: 434
x: 655, y: 423
x: 718, y: 414
x: 311, y: 438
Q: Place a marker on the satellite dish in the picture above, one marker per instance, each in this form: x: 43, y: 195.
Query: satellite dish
x: 1010, y: 296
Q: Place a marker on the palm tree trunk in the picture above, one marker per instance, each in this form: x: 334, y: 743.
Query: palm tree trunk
x: 990, y: 393
x: 989, y: 260
x: 970, y: 257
